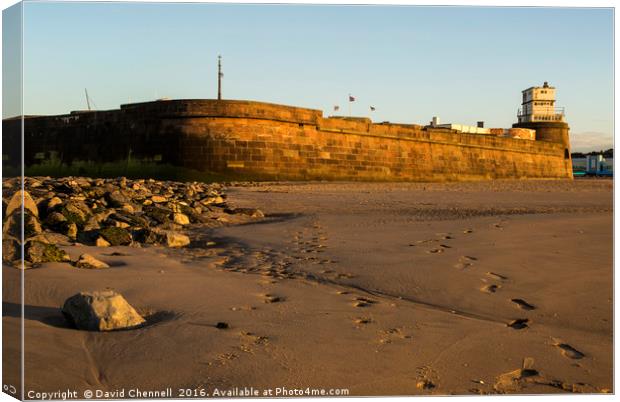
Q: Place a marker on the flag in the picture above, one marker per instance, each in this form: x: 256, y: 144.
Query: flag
x: 372, y: 108
x: 336, y: 108
x: 351, y: 98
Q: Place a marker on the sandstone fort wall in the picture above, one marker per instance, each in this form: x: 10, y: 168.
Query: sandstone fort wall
x: 209, y: 139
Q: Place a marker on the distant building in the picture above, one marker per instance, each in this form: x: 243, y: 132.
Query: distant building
x: 539, y: 105
x: 593, y: 165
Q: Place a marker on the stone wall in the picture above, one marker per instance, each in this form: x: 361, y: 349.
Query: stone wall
x: 209, y: 140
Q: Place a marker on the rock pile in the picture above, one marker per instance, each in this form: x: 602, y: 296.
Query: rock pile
x: 108, y: 212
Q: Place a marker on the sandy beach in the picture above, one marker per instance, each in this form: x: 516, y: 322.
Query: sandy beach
x: 368, y: 288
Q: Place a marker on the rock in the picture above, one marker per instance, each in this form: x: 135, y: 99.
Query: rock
x: 87, y: 261
x: 13, y: 225
x: 122, y: 225
x: 116, y: 236
x: 101, y: 242
x: 181, y: 219
x: 158, y: 199
x: 11, y: 250
x: 161, y: 215
x: 53, y: 203
x: 15, y: 204
x: 213, y: 200
x: 72, y: 231
x: 103, y: 215
x: 116, y: 199
x: 101, y: 311
x: 174, y: 239
x: 128, y: 208
x: 52, y: 238
x: 146, y: 235
x: 38, y: 252
x: 55, y: 219
x: 76, y: 212
x: 91, y: 224
x: 129, y: 219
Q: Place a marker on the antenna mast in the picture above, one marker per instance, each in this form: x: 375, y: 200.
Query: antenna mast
x: 219, y: 77
x: 87, y: 100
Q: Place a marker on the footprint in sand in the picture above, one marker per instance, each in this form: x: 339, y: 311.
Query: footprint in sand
x: 519, y: 323
x: 427, y: 378
x: 468, y: 231
x: 465, y: 261
x: 515, y: 380
x: 496, y: 276
x: 490, y: 288
x: 523, y: 304
x: 248, y: 340
x: 363, y: 320
x: 363, y: 302
x: 567, y: 350
x: 389, y: 335
x: 445, y: 236
x: 435, y: 251
x: 267, y: 298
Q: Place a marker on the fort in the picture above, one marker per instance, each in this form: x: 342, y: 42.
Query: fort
x: 246, y: 140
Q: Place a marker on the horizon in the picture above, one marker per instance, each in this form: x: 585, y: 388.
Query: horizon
x: 462, y: 64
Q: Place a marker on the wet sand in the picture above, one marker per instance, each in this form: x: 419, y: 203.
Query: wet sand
x: 381, y: 289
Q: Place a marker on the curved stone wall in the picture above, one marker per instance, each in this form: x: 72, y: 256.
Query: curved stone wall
x: 238, y: 140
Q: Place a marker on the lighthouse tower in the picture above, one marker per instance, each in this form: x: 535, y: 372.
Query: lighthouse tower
x: 539, y: 105
x: 538, y: 112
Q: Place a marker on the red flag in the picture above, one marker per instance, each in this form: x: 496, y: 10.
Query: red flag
x: 351, y: 98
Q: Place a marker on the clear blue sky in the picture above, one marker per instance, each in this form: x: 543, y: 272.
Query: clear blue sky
x: 460, y: 63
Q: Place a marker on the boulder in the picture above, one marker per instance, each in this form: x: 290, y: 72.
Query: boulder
x: 11, y: 250
x: 174, y: 239
x: 116, y: 236
x: 55, y: 219
x: 101, y: 242
x: 13, y: 225
x: 213, y: 200
x: 128, y: 208
x: 116, y: 199
x: 76, y: 212
x: 15, y: 203
x: 130, y: 219
x: 53, y: 203
x: 101, y: 311
x: 158, y: 199
x: 38, y: 252
x: 87, y: 261
x: 181, y: 219
x: 159, y: 214
x: 72, y: 231
x: 146, y: 236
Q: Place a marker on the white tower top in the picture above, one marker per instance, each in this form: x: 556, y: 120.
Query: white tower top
x: 539, y: 105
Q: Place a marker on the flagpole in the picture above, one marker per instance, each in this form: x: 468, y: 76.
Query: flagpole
x: 349, y: 105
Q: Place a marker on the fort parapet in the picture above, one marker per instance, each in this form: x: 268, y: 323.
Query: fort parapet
x: 247, y: 140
